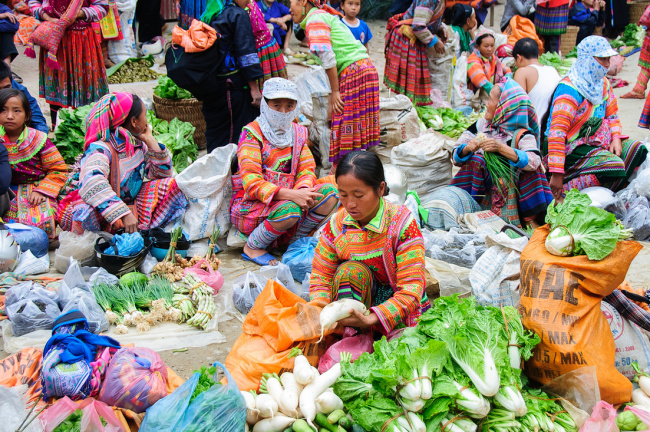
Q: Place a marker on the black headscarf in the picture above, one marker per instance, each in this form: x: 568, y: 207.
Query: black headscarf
x: 460, y: 14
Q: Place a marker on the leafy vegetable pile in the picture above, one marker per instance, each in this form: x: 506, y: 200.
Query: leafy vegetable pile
x: 73, y: 423
x: 632, y: 37
x: 70, y: 135
x: 134, y: 70
x: 205, y: 380
x: 178, y: 137
x: 555, y: 60
x: 445, y: 120
x: 167, y: 89
x: 577, y: 228
x: 458, y: 370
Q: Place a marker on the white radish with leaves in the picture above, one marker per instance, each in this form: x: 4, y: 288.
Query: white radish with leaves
x: 291, y: 391
x: 328, y: 402
x: 307, y: 400
x: 266, y: 405
x: 278, y: 423
x: 641, y: 378
x: 252, y: 413
x: 640, y: 398
x: 338, y: 310
x: 303, y: 372
x: 274, y: 388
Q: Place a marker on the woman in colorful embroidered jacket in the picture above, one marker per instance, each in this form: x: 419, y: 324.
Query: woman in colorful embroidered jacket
x: 275, y: 195
x: 411, y: 38
x: 234, y: 99
x: 354, y: 81
x: 371, y: 251
x: 38, y: 171
x: 511, y: 132
x: 484, y: 69
x: 80, y: 78
x: 268, y: 50
x: 586, y: 145
x: 120, y: 151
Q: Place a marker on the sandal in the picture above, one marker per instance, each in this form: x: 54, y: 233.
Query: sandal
x: 633, y: 95
x: 262, y: 260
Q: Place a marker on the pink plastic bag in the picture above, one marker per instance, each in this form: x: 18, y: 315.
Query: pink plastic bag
x: 135, y: 379
x: 603, y: 419
x: 355, y: 345
x: 90, y: 421
x: 211, y: 278
x: 643, y: 415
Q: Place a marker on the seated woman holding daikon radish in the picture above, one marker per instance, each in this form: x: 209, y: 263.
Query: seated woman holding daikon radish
x: 499, y: 158
x: 371, y: 251
x: 275, y: 195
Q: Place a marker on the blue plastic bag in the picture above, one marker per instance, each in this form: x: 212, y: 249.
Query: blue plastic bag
x: 30, y: 238
x: 127, y: 244
x: 221, y: 408
x: 299, y: 257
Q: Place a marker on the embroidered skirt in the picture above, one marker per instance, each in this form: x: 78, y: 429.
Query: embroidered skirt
x: 644, y: 121
x: 551, y: 21
x: 272, y: 62
x: 158, y: 203
x: 407, y: 70
x: 357, y: 127
x: 82, y: 77
x: 644, y: 56
x: 42, y: 216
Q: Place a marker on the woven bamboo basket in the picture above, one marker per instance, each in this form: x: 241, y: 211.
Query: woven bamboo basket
x: 568, y: 39
x: 636, y: 10
x: 187, y: 110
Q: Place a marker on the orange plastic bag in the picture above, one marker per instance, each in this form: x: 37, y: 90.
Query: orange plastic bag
x: 278, y: 322
x: 24, y: 367
x: 560, y: 301
x: 199, y: 37
x: 520, y: 28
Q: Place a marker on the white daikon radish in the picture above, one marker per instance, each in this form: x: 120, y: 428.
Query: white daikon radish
x: 642, y: 378
x: 246, y: 428
x: 274, y: 388
x: 328, y: 402
x: 303, y: 372
x: 309, y: 394
x: 252, y: 413
x: 291, y: 390
x: 337, y: 311
x: 640, y: 398
x: 277, y: 423
x: 266, y: 405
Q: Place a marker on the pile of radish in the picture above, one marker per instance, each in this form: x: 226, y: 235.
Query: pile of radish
x: 303, y: 394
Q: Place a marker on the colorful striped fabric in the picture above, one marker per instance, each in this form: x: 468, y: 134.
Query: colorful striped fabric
x: 272, y: 62
x: 427, y: 18
x: 569, y: 112
x: 551, y: 21
x: 644, y: 57
x: 485, y: 72
x: 357, y: 127
x: 391, y: 246
x: 644, y: 121
x: 514, y: 111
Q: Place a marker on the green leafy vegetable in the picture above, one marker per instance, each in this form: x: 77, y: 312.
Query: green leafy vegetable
x: 447, y: 121
x: 555, y: 60
x: 73, y: 423
x: 167, y: 89
x: 178, y: 137
x: 205, y: 380
x: 70, y: 134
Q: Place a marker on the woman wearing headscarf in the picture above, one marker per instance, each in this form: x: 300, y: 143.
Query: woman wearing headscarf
x: 234, y: 99
x: 110, y: 192
x: 509, y: 131
x: 464, y: 25
x: 275, y: 195
x: 354, y: 81
x: 413, y: 37
x: 586, y: 145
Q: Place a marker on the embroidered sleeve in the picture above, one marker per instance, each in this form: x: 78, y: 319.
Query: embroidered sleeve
x: 529, y: 159
x: 96, y: 11
x: 249, y: 157
x: 475, y: 72
x: 421, y: 19
x: 158, y: 164
x: 319, y: 33
x: 248, y: 60
x: 407, y: 299
x: 95, y: 189
x: 645, y: 18
x: 306, y: 177
x: 36, y: 6
x: 55, y: 168
x: 562, y: 114
x: 324, y: 267
x: 611, y: 113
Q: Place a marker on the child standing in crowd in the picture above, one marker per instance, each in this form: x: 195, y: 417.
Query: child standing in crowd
x: 484, y: 69
x: 359, y: 28
x: 638, y: 92
x: 587, y: 14
x: 354, y: 101
x: 280, y: 16
x: 38, y: 171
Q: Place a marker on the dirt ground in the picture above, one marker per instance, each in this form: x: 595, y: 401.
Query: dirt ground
x: 185, y: 362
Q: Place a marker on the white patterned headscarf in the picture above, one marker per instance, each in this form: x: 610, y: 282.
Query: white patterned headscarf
x: 277, y: 126
x: 586, y: 74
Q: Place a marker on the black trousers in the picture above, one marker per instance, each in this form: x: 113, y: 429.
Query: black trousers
x: 551, y: 43
x: 150, y: 23
x: 227, y: 113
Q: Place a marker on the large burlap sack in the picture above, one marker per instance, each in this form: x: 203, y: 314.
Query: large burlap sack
x: 398, y: 122
x: 278, y: 322
x: 632, y: 342
x: 560, y: 301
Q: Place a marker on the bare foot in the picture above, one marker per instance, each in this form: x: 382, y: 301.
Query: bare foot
x: 633, y: 95
x: 256, y: 253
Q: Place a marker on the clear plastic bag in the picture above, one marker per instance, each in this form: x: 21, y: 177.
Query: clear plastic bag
x: 246, y: 289
x: 79, y: 247
x: 13, y: 408
x: 84, y: 300
x: 30, y: 308
x: 221, y: 408
x: 135, y: 379
x: 30, y: 265
x: 299, y: 257
x: 30, y: 238
x: 281, y: 273
x: 605, y: 199
x: 637, y: 218
x: 580, y: 387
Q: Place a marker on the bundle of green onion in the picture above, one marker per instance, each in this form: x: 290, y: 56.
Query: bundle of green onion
x: 501, y: 172
x: 171, y: 253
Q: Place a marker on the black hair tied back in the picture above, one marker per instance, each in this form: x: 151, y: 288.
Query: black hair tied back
x: 366, y: 166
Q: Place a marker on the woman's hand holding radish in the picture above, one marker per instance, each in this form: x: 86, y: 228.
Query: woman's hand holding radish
x: 359, y: 320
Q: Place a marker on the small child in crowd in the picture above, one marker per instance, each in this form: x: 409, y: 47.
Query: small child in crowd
x: 587, y: 14
x: 359, y: 29
x: 279, y: 15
